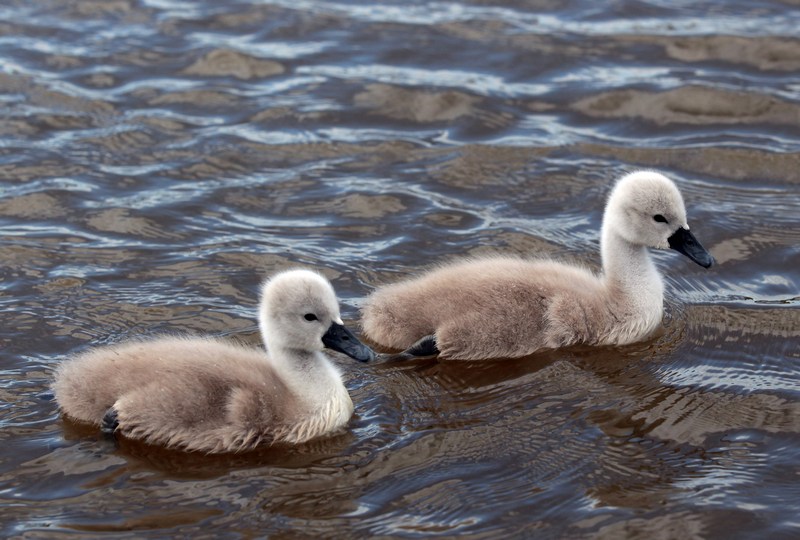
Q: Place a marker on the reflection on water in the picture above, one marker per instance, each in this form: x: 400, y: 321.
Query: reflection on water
x: 159, y: 158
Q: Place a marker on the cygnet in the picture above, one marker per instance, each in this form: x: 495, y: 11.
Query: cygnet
x: 208, y: 395
x: 506, y: 307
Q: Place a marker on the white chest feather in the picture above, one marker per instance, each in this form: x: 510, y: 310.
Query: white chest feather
x: 328, y: 407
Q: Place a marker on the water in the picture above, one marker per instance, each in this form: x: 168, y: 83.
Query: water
x: 158, y: 158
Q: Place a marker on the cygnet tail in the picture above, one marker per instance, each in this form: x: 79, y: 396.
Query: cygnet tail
x: 395, y: 317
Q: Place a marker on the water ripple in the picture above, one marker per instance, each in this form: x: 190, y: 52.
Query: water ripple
x: 159, y: 158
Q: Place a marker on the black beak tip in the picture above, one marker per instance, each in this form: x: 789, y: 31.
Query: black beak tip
x: 701, y: 257
x: 365, y: 356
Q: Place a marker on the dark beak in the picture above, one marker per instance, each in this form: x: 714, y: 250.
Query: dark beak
x: 343, y: 340
x: 685, y: 242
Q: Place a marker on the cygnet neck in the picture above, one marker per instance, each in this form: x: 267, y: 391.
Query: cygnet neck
x: 629, y: 269
x: 297, y: 365
x: 309, y: 373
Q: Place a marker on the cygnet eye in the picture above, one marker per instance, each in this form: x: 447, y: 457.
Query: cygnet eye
x: 660, y: 218
x: 310, y: 317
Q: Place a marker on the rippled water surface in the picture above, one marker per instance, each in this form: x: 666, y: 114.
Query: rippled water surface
x: 158, y: 158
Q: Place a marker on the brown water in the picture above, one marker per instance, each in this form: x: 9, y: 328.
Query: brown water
x: 158, y: 158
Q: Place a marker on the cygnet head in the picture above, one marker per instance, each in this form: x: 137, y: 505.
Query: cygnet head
x: 646, y: 209
x: 299, y: 311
